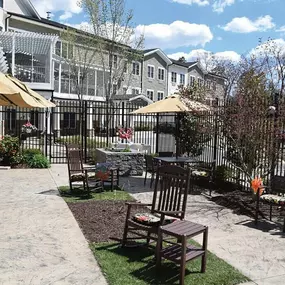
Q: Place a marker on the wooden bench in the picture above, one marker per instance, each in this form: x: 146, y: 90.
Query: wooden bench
x: 273, y: 196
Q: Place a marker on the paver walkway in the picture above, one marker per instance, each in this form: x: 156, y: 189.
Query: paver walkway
x: 40, y: 241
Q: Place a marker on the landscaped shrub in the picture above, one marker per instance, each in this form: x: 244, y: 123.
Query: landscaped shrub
x: 9, y: 150
x: 38, y: 161
x: 29, y: 153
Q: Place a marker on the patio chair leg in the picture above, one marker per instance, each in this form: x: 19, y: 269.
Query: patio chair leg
x: 145, y: 178
x: 148, y: 238
x: 70, y: 185
x: 270, y: 213
x: 257, y: 209
x: 151, y: 180
x: 284, y: 226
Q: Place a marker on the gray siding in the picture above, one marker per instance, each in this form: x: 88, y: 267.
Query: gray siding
x: 154, y: 84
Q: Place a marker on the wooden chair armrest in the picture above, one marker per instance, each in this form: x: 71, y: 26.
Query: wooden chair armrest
x: 129, y: 204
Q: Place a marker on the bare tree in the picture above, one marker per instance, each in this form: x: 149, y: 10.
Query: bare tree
x: 117, y: 44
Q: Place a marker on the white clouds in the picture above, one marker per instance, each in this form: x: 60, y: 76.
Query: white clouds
x: 66, y: 15
x: 68, y: 6
x: 245, y: 25
x: 207, y: 55
x: 217, y: 5
x: 220, y: 5
x: 281, y: 29
x: 176, y: 34
x: 191, y: 2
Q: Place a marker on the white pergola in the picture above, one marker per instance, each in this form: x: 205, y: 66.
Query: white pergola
x: 28, y: 44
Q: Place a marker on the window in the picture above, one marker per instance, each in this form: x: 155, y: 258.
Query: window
x: 135, y: 91
x: 58, y: 48
x: 160, y: 95
x: 10, y: 119
x: 200, y: 82
x: 69, y: 120
x: 115, y: 89
x: 150, y: 71
x: 125, y: 67
x: 64, y: 50
x: 149, y: 94
x: 173, y: 77
x: 160, y: 73
x: 1, y: 3
x: 113, y: 61
x: 208, y: 84
x: 214, y: 86
x: 192, y: 80
x: 136, y: 68
x: 125, y: 89
x: 182, y: 79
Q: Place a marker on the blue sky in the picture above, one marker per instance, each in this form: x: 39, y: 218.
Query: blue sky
x: 227, y: 28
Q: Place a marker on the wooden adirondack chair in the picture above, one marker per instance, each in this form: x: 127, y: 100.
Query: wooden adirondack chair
x: 168, y: 204
x: 76, y: 171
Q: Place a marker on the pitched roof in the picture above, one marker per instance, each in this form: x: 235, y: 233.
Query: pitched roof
x: 149, y: 50
x: 184, y: 64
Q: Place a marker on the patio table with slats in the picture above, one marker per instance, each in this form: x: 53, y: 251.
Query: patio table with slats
x: 182, y: 251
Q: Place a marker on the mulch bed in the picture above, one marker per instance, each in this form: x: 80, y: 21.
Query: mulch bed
x: 102, y: 221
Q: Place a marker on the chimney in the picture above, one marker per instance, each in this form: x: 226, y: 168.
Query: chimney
x: 48, y: 15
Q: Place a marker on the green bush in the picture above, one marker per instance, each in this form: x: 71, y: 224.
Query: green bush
x: 28, y: 154
x: 223, y: 173
x: 9, y: 150
x: 38, y: 161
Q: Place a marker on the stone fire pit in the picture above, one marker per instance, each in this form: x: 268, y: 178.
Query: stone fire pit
x: 129, y: 163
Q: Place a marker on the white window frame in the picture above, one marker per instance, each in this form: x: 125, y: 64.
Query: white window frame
x: 192, y: 80
x: 150, y: 71
x: 150, y: 90
x: 135, y: 68
x: 137, y: 91
x: 200, y: 82
x: 174, y: 77
x: 182, y: 75
x: 161, y: 71
x: 160, y: 93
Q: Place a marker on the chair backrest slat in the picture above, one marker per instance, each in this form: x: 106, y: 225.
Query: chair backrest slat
x: 74, y: 159
x: 171, y: 189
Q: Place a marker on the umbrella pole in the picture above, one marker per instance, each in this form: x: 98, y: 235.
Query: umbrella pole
x: 177, y: 136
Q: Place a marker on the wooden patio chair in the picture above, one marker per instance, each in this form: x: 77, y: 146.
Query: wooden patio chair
x: 151, y: 166
x: 168, y: 204
x: 76, y: 171
x: 273, y: 196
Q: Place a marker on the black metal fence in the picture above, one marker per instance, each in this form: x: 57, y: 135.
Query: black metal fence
x: 95, y: 124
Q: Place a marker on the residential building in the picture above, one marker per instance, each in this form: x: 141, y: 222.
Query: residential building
x: 155, y: 74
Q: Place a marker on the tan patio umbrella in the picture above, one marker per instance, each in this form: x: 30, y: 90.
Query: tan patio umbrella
x: 15, y: 93
x: 173, y: 104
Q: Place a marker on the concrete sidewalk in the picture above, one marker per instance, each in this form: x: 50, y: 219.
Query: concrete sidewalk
x: 258, y: 252
x: 40, y: 241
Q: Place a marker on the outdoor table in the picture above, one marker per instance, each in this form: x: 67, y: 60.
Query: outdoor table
x: 181, y: 160
x: 181, y: 251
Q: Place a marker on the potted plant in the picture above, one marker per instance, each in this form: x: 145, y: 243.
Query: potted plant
x: 28, y: 128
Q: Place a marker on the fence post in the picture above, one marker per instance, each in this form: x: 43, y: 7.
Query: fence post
x: 215, y: 134
x: 84, y: 133
x: 275, y: 138
x: 157, y: 132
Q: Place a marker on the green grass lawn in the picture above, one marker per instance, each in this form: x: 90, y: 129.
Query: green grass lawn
x: 79, y: 195
x: 135, y: 266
